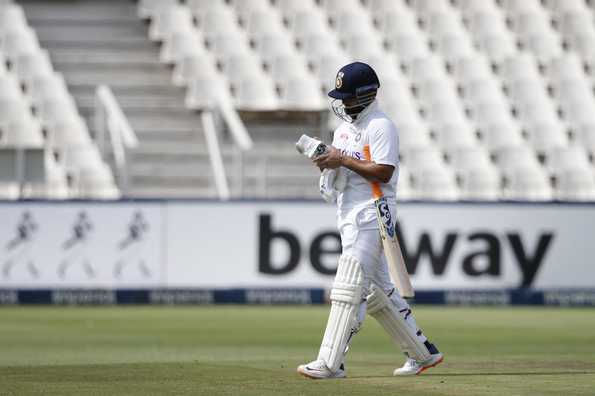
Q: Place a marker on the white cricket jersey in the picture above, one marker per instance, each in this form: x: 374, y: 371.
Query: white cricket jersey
x: 371, y: 127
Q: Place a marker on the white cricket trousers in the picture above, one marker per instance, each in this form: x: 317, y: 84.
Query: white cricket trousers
x: 360, y: 238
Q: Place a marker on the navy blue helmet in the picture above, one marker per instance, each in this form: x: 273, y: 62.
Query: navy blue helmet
x: 356, y: 84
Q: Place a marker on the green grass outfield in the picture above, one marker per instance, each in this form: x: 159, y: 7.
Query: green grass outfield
x: 232, y: 350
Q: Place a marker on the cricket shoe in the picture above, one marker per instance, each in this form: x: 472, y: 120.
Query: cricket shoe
x: 318, y: 370
x: 414, y: 367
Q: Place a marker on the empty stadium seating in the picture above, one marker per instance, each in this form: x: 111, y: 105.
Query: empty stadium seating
x: 504, y: 81
x: 36, y: 110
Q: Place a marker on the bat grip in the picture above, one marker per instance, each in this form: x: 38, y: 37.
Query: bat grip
x: 376, y: 190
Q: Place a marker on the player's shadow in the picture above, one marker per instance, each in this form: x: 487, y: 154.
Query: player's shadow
x: 515, y: 374
x: 491, y: 373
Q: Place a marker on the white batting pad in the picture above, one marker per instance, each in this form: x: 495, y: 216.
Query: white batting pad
x: 402, y: 332
x: 343, y: 322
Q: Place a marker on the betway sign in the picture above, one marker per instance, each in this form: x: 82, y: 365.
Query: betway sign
x: 477, y: 262
x: 192, y: 244
x: 446, y: 246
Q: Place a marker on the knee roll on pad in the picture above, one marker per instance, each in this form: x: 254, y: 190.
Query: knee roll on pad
x: 402, y: 333
x: 346, y: 298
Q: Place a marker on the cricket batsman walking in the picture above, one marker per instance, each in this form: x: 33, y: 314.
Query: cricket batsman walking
x: 363, y: 283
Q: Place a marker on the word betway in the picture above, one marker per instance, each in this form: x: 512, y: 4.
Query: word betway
x: 325, y: 247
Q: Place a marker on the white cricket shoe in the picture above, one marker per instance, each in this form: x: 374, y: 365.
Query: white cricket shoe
x: 413, y: 367
x: 318, y: 370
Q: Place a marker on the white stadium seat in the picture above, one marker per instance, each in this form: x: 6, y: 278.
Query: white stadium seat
x: 560, y: 158
x: 408, y: 48
x: 483, y: 91
x: 257, y: 94
x: 245, y: 8
x: 435, y: 184
x: 501, y: 134
x: 9, y: 87
x: 12, y: 18
x: 178, y: 45
x: 13, y: 109
x: 270, y: 45
x: 51, y: 110
x: 350, y: 20
x: 205, y: 90
x: 193, y: 66
x: 425, y: 68
x: 316, y: 45
x: 412, y: 134
x: 56, y: 186
x: 511, y: 156
x: 74, y: 158
x: 21, y: 131
x: 545, y: 136
x: 483, y: 23
x: 407, y: 23
x: 68, y: 131
x: 261, y: 22
x: 470, y: 7
x: 497, y: 47
x: 47, y: 86
x: 454, y: 46
x: 527, y: 183
x: 480, y: 183
x: 238, y: 67
x: 28, y: 66
x: 575, y: 184
x: 302, y: 93
x: 451, y: 135
x: 491, y: 113
x: 225, y: 44
x: 424, y: 7
x: 217, y: 21
x: 362, y: 47
x: 307, y: 22
x: 418, y: 157
x: 97, y: 183
x: 17, y: 42
x: 331, y: 6
x: 289, y: 8
x: 285, y: 67
x: 168, y: 20
x: 395, y: 87
x: 382, y: 7
x: 469, y: 157
x: 519, y: 67
x: 404, y: 188
x: 204, y: 5
x: 437, y: 89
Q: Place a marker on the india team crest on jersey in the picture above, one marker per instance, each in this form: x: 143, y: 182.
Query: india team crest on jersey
x: 339, y: 80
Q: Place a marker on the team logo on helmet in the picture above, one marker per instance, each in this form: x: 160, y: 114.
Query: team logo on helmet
x: 339, y: 81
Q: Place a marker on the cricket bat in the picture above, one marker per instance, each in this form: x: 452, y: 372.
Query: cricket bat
x: 390, y: 243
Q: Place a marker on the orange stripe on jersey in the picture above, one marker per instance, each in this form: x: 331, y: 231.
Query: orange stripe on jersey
x: 376, y: 190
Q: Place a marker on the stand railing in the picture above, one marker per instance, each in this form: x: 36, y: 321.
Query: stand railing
x: 111, y: 126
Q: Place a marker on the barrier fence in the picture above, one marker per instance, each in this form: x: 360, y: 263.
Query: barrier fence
x: 202, y: 252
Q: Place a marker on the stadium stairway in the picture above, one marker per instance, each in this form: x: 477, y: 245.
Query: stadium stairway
x: 104, y: 42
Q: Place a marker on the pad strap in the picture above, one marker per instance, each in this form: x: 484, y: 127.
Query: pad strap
x: 395, y: 324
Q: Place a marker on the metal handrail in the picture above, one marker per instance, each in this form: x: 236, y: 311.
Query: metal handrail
x: 111, y: 122
x: 215, y: 155
x: 234, y: 122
